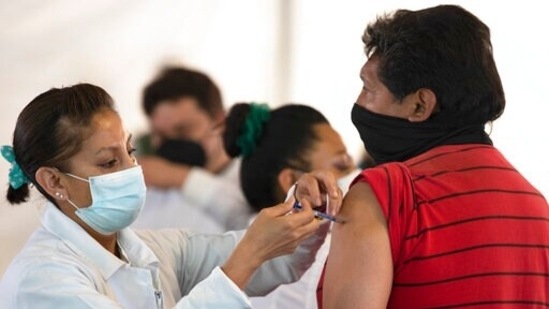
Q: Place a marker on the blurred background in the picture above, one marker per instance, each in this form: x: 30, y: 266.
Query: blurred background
x: 272, y: 51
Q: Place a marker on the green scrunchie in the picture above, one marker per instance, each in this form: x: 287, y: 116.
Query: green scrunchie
x: 16, y: 176
x: 253, y: 127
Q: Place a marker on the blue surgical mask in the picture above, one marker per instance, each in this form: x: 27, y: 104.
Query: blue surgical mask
x: 117, y: 200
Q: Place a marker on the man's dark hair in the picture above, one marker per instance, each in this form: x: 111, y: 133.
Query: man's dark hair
x: 444, y: 48
x: 178, y: 82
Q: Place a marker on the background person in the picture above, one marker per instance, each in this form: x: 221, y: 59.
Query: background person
x: 277, y: 146
x: 168, y: 207
x: 185, y: 105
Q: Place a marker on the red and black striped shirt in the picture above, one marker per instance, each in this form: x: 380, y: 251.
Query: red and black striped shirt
x: 466, y: 229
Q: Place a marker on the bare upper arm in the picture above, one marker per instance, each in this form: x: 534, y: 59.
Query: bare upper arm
x: 359, y: 269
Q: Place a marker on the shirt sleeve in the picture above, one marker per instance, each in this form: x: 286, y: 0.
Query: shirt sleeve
x: 203, y: 253
x: 194, y: 256
x: 216, y: 291
x: 287, y: 268
x: 393, y: 188
x: 216, y: 197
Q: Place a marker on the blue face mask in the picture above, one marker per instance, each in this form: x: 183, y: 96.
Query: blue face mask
x: 117, y: 200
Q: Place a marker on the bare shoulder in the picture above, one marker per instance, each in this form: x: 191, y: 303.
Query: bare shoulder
x: 361, y: 206
x: 360, y: 254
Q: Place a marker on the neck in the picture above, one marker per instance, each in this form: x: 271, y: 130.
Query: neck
x: 108, y: 242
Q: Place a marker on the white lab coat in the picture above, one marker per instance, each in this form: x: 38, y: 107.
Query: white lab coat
x: 300, y: 294
x: 63, y: 267
x: 169, y: 208
x: 219, y: 195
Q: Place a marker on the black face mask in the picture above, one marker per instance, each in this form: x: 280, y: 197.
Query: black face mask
x: 182, y: 152
x: 389, y: 139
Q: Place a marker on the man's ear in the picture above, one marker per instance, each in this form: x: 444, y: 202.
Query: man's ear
x: 48, y: 178
x: 286, y: 178
x: 218, y: 119
x: 425, y: 103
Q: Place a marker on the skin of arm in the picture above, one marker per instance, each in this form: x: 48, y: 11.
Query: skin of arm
x: 359, y: 270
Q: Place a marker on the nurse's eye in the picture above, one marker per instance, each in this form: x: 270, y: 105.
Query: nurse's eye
x: 109, y: 164
x: 131, y: 151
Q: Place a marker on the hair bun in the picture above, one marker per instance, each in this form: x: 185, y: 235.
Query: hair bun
x: 243, y: 127
x: 258, y: 115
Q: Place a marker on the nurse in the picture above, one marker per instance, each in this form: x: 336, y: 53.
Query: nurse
x: 70, y: 144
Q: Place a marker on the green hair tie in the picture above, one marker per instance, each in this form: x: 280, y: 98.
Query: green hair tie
x: 17, y: 177
x: 253, y: 127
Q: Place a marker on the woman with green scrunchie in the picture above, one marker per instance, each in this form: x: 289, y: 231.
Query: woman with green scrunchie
x: 277, y: 146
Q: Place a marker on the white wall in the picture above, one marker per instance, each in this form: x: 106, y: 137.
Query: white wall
x: 273, y: 51
x: 119, y: 45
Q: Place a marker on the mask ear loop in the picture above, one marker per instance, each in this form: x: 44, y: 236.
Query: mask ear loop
x: 77, y: 177
x: 73, y: 205
x: 61, y: 196
x: 68, y: 199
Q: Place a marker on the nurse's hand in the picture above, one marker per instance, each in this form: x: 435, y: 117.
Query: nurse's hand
x: 320, y: 189
x: 275, y: 231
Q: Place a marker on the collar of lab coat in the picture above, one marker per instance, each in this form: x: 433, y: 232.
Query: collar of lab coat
x: 87, y: 248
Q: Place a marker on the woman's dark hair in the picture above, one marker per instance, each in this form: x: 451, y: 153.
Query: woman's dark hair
x: 446, y: 49
x: 50, y: 130
x: 284, y: 142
